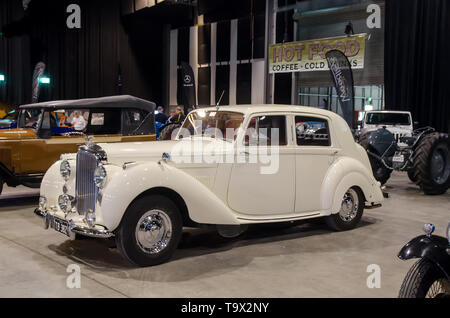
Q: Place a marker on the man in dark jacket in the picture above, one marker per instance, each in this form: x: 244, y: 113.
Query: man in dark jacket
x: 160, y: 116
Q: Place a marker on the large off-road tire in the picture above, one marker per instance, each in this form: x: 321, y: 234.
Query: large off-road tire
x: 431, y: 163
x: 352, y: 208
x: 150, y: 231
x: 379, y: 170
x: 166, y: 133
x: 425, y: 280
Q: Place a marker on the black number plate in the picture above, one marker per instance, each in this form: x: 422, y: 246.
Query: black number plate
x: 61, y: 226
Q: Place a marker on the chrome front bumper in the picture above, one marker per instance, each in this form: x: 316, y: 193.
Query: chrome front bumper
x: 72, y: 227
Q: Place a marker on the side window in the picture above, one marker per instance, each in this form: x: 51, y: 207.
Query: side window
x: 98, y: 119
x: 266, y: 130
x: 77, y: 119
x: 312, y: 131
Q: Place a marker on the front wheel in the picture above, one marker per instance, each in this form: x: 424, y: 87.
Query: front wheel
x: 351, y: 211
x: 425, y: 280
x: 150, y: 231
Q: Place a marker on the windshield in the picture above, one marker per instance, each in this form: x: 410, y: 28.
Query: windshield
x: 214, y: 124
x: 29, y: 118
x: 388, y: 119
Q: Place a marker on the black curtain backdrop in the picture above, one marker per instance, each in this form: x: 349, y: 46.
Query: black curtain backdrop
x: 417, y: 65
x: 82, y: 62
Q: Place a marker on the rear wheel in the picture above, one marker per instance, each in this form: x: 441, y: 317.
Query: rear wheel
x: 425, y: 280
x: 351, y: 211
x: 431, y: 163
x: 150, y: 231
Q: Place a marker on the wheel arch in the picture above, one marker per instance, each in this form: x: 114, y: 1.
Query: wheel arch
x: 174, y: 196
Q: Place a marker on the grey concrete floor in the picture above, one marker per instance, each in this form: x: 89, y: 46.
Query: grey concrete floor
x: 307, y: 260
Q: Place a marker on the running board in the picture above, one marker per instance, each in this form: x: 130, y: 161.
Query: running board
x: 373, y: 206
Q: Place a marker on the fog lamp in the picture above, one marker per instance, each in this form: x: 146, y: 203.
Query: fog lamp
x: 64, y: 169
x: 65, y: 203
x: 42, y: 203
x: 100, y: 176
x: 90, y: 218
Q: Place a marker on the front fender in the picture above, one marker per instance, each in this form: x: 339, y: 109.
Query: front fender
x: 125, y: 185
x: 434, y: 248
x: 345, y: 173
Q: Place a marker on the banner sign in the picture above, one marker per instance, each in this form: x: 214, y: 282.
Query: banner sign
x: 186, y: 87
x: 308, y: 56
x: 35, y: 85
x: 342, y: 74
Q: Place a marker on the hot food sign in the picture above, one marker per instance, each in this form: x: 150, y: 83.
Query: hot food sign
x: 309, y: 56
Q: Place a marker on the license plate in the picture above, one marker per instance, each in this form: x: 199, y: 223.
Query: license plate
x: 61, y: 226
x: 398, y: 158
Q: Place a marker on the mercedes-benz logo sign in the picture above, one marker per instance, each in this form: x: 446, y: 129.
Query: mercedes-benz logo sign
x: 187, y: 79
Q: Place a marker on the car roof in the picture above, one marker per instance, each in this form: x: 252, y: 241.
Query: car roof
x: 119, y: 101
x: 389, y: 111
x: 266, y: 108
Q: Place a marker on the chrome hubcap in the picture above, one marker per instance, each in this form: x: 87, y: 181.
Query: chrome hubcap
x: 349, y: 206
x: 440, y: 288
x: 153, y: 231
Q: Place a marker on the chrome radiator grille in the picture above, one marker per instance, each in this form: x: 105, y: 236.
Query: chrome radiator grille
x: 86, y: 190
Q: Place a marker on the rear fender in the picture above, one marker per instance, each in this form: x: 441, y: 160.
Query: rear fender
x: 343, y: 174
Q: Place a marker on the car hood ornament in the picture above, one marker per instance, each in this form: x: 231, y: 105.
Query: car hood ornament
x: 94, y: 148
x: 89, y: 142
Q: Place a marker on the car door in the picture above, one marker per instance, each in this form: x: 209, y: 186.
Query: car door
x: 315, y: 152
x: 262, y: 182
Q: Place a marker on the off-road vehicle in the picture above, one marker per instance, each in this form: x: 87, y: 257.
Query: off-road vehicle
x: 425, y: 156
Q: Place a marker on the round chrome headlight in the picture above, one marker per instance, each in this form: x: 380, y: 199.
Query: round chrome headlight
x: 64, y: 169
x: 100, y: 176
x: 65, y: 203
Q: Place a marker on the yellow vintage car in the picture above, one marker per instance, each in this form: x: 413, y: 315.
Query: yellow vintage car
x: 47, y: 130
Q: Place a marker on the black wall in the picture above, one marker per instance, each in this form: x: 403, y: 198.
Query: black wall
x: 82, y: 62
x: 417, y: 67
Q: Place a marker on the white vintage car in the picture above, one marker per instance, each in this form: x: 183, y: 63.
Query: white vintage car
x: 227, y: 167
